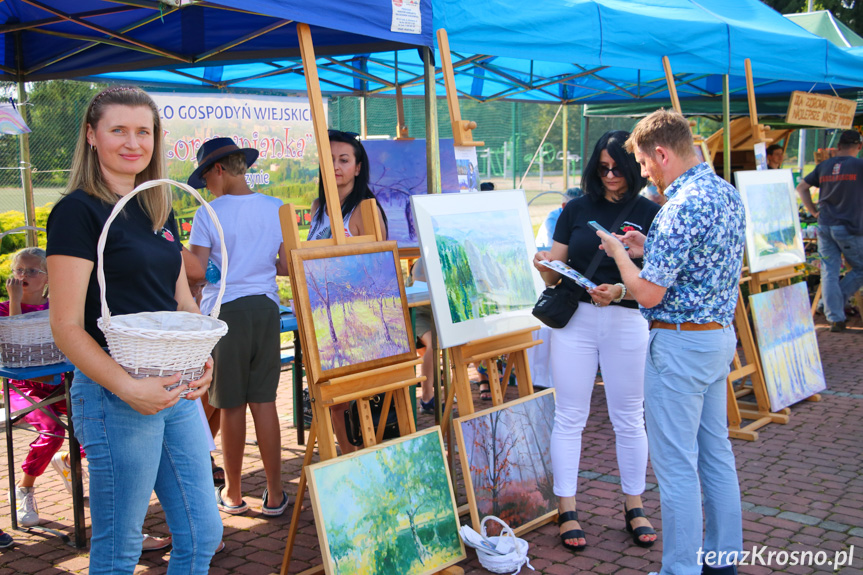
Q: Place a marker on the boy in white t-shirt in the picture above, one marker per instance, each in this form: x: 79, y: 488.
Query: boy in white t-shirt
x: 247, y: 363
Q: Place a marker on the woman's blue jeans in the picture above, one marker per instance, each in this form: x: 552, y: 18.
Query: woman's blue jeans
x: 129, y: 456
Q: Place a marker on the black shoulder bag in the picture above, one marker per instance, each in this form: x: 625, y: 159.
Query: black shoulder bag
x: 557, y: 303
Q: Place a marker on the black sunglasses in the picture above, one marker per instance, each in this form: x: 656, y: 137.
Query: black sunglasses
x: 353, y: 135
x: 604, y: 171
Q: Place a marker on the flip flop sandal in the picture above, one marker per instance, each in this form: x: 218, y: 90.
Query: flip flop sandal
x: 151, y: 543
x: 221, y: 547
x: 484, y: 394
x: 274, y: 511
x: 230, y: 509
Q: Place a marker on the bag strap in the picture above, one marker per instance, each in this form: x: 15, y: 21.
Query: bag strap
x: 594, y: 263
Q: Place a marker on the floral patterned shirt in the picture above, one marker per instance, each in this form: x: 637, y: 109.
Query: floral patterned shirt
x: 695, y: 249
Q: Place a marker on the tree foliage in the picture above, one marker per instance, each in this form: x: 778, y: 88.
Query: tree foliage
x: 848, y: 12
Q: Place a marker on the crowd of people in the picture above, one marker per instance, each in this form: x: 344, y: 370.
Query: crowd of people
x: 657, y: 326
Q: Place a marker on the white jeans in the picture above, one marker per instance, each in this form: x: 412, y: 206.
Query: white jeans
x: 615, y: 338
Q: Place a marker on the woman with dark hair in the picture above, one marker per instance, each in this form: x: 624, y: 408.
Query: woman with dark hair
x: 607, y: 330
x: 351, y: 164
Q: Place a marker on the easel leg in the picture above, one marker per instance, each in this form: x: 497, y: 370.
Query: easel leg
x: 298, y: 502
x: 522, y: 373
x: 498, y: 387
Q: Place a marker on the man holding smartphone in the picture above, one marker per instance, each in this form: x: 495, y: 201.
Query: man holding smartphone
x: 687, y: 290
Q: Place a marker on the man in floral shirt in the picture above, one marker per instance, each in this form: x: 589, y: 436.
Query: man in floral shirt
x: 688, y: 291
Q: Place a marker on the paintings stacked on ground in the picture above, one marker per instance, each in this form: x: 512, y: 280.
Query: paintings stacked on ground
x: 387, y: 509
x: 478, y: 251
x: 397, y: 171
x: 506, y: 462
x: 354, y: 297
x: 789, y: 348
x: 773, y: 237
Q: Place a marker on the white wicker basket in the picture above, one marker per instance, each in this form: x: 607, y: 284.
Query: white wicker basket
x: 26, y: 340
x: 161, y: 343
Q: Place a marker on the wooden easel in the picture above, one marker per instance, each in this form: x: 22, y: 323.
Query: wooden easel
x: 393, y: 381
x: 761, y: 414
x: 462, y: 130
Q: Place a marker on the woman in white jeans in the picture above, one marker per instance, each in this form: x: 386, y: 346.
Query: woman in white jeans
x: 606, y: 331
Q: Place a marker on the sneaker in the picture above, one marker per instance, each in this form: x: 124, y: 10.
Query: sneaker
x: 28, y: 513
x: 60, y: 462
x: 5, y: 540
x: 837, y: 326
x: 427, y: 406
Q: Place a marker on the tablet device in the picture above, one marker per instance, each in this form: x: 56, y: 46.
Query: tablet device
x: 567, y: 271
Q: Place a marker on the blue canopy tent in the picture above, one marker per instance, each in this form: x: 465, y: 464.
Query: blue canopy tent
x: 615, y: 55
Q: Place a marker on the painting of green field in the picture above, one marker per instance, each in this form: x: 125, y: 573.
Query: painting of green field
x: 387, y: 510
x: 485, y: 265
x: 357, y: 308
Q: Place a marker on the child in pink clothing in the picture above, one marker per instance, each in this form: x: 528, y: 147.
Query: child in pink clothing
x: 28, y: 292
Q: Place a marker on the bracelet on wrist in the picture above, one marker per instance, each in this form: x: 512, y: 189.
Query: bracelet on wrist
x: 622, y: 293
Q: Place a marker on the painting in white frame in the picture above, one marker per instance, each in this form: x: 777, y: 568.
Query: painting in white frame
x: 773, y: 236
x: 478, y: 251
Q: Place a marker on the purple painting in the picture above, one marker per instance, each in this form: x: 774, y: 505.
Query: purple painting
x: 356, y: 308
x: 398, y: 171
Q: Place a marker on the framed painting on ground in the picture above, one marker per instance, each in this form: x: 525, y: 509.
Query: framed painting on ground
x: 397, y: 171
x: 787, y: 344
x: 773, y: 237
x: 353, y: 305
x: 387, y: 509
x: 505, y: 457
x: 478, y: 251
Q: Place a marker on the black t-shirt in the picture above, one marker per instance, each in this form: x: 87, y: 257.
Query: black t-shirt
x: 573, y: 231
x: 141, y: 267
x: 840, y: 196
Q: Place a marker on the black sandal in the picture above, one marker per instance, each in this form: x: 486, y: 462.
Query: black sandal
x: 572, y: 533
x: 484, y: 394
x: 638, y: 532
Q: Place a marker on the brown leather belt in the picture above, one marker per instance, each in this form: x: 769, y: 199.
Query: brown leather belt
x: 686, y: 326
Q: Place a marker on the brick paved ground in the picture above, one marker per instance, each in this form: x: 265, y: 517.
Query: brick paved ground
x: 801, y: 484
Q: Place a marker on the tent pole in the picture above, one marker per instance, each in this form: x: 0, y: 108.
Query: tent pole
x: 565, y: 147
x: 364, y: 134
x: 726, y: 129
x: 24, y: 148
x: 585, y: 127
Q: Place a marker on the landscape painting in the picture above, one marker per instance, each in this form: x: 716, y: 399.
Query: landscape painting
x: 789, y: 349
x: 387, y: 509
x: 477, y: 250
x: 506, y: 462
x: 397, y: 171
x: 773, y: 237
x: 355, y: 298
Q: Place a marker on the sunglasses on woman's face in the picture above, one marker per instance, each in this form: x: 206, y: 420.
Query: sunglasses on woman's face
x: 603, y: 171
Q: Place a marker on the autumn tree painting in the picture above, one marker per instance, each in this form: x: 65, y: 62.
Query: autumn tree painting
x: 357, y: 310
x: 506, y: 453
x: 388, y: 510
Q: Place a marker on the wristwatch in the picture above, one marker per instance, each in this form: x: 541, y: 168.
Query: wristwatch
x: 622, y: 293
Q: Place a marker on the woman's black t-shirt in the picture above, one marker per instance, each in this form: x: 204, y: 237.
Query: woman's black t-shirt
x: 141, y: 266
x: 573, y: 231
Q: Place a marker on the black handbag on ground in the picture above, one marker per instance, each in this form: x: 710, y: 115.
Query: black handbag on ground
x: 557, y: 303
x: 376, y: 404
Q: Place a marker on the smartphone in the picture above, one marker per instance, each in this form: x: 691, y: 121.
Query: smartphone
x: 598, y: 227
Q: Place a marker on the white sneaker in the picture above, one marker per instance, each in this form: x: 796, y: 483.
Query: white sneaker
x: 59, y: 462
x: 28, y: 514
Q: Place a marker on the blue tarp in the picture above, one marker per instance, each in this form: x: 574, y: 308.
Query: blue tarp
x: 64, y: 39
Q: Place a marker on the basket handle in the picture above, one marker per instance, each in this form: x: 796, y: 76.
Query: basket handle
x: 502, y: 532
x: 118, y: 207
x: 20, y: 229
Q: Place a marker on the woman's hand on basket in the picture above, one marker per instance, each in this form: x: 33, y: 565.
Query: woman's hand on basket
x: 148, y: 395
x: 200, y: 386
